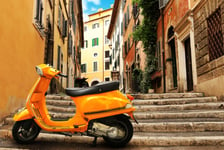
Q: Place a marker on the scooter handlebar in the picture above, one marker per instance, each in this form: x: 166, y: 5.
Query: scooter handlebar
x: 62, y: 75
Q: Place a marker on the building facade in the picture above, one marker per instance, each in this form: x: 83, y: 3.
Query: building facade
x: 192, y: 42
x: 31, y: 36
x: 129, y: 51
x: 208, y: 28
x: 22, y: 47
x: 96, y: 53
x: 115, y: 34
x: 176, y: 52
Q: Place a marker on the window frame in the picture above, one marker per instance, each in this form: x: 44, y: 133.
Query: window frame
x: 83, y: 70
x: 95, y: 25
x: 95, y: 42
x: 95, y: 66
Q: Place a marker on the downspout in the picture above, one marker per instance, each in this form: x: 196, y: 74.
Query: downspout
x: 163, y: 52
x: 53, y: 32
x: 103, y: 50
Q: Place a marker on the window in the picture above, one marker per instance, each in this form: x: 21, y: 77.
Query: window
x: 62, y: 23
x: 85, y: 28
x: 59, y: 58
x: 107, y: 41
x: 107, y: 54
x: 95, y: 42
x: 107, y: 22
x: 215, y: 37
x: 85, y: 44
x: 95, y: 25
x: 125, y: 48
x: 107, y: 65
x: 59, y: 17
x: 39, y: 14
x: 83, y: 68
x: 94, y: 66
x: 158, y: 55
x: 95, y: 54
x: 122, y: 28
x: 70, y: 44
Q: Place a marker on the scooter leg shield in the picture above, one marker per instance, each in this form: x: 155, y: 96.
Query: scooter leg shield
x: 22, y: 115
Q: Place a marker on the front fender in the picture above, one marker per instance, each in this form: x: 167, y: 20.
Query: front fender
x: 22, y: 114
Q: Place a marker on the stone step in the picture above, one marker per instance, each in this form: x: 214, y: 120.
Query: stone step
x: 67, y: 109
x: 172, y: 127
x: 61, y: 103
x: 167, y: 95
x: 58, y: 97
x: 153, y: 102
x: 194, y: 106
x: 10, y: 121
x: 149, y: 139
x: 179, y: 127
x: 179, y: 134
x: 181, y: 114
x: 160, y: 115
x: 180, y: 120
x: 152, y: 108
x: 174, y: 101
x: 141, y: 96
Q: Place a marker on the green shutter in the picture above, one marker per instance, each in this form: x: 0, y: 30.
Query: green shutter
x: 122, y: 28
x: 97, y: 41
x: 92, y: 42
x: 125, y: 21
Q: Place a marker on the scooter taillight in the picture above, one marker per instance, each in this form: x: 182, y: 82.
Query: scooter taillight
x: 131, y: 98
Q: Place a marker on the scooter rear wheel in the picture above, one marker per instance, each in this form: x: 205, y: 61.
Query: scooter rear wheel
x: 122, y: 123
x: 25, y: 132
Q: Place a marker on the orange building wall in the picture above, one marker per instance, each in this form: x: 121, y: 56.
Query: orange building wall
x: 21, y: 49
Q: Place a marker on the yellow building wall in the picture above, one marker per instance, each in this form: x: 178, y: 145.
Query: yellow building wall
x: 88, y: 53
x: 22, y: 48
x: 58, y: 41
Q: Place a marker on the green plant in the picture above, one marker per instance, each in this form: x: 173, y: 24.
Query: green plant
x: 137, y: 77
x: 147, y: 33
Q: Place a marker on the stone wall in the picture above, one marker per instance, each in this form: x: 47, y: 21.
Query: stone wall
x: 208, y: 71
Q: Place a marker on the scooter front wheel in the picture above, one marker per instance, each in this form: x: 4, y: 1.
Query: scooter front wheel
x: 124, y: 125
x: 25, y: 132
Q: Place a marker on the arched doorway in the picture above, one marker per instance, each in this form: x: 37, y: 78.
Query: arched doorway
x: 94, y: 83
x: 171, y: 60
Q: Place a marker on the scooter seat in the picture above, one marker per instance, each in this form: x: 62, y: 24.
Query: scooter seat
x: 96, y: 89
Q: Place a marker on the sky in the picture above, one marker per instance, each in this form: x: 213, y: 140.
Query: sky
x: 91, y: 6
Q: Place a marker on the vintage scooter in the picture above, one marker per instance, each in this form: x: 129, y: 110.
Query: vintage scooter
x: 101, y: 111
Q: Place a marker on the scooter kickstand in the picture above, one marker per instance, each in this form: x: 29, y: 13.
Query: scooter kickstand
x: 94, y: 141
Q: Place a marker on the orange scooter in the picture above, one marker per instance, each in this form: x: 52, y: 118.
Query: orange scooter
x: 101, y: 111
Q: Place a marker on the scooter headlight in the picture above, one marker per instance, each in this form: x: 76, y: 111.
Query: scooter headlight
x: 128, y: 106
x: 39, y: 70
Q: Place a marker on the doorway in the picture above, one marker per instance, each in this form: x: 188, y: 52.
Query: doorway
x: 188, y: 59
x: 172, y: 53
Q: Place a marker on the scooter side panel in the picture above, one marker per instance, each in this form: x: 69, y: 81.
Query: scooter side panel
x: 103, y: 102
x: 22, y: 115
x: 103, y: 105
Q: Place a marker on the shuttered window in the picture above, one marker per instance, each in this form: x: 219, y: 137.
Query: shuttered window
x: 95, y: 41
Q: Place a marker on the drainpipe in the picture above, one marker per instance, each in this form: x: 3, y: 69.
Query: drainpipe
x: 103, y: 50
x: 163, y: 52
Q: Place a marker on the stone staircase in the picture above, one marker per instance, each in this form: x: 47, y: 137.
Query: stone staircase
x: 171, y: 119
